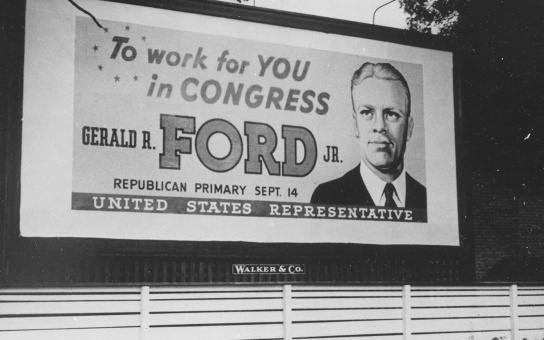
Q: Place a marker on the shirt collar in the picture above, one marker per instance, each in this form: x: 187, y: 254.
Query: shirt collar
x: 375, y: 186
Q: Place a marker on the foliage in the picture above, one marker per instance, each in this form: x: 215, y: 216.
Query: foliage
x: 433, y: 16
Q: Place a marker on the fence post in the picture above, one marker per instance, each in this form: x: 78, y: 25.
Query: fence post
x: 406, y: 312
x: 287, y: 312
x: 514, y: 312
x: 144, y: 313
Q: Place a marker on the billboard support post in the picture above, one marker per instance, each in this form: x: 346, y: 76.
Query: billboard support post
x: 287, y: 311
x: 514, y: 311
x: 406, y: 312
x: 144, y: 312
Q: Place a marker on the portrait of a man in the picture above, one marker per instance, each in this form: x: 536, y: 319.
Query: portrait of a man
x: 383, y: 126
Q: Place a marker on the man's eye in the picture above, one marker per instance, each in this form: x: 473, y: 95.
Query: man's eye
x: 366, y: 114
x: 392, y: 116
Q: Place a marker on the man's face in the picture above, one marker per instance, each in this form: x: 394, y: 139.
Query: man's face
x: 382, y: 123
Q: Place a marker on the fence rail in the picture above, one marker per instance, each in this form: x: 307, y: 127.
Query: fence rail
x: 274, y: 312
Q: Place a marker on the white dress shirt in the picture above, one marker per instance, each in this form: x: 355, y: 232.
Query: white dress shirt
x: 375, y: 186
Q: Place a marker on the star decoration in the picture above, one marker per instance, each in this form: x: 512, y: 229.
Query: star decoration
x: 127, y: 28
x: 144, y: 38
x: 117, y: 78
x: 135, y: 78
x: 106, y: 30
x: 95, y: 48
x: 100, y: 67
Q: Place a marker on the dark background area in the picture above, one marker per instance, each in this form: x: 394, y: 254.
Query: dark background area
x: 501, y: 45
x: 500, y: 105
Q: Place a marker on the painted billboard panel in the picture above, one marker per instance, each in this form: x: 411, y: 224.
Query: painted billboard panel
x: 154, y: 124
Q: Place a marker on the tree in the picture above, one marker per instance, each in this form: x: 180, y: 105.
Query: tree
x: 433, y: 16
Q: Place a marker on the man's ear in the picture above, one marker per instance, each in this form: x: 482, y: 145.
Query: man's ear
x: 410, y: 128
x: 355, y: 125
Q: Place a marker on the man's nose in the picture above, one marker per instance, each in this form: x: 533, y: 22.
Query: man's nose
x: 379, y: 123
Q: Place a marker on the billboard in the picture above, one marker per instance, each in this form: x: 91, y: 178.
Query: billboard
x: 163, y: 125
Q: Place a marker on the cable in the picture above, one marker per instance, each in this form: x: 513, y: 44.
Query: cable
x: 374, y: 15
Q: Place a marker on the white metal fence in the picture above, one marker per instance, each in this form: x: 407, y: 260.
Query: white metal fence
x: 274, y: 312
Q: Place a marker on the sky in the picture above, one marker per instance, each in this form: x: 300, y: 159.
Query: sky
x: 354, y: 10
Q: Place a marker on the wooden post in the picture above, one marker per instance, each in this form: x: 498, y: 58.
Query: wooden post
x: 406, y: 312
x: 514, y: 312
x: 144, y: 313
x: 287, y: 312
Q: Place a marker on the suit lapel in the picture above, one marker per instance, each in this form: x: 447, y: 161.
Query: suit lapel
x: 359, y: 192
x: 416, y: 194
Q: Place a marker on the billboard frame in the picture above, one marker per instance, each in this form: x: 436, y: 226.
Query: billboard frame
x: 15, y: 246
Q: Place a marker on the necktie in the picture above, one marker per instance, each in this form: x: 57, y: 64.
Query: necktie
x: 389, y: 190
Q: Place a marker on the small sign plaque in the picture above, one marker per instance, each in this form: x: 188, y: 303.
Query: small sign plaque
x: 241, y: 269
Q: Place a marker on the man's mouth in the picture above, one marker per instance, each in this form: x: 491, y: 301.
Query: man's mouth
x: 381, y: 146
x: 380, y: 142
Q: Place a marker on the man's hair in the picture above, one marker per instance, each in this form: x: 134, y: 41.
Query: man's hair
x: 382, y: 71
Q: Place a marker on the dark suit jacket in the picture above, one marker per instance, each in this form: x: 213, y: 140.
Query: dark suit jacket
x: 351, y: 190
